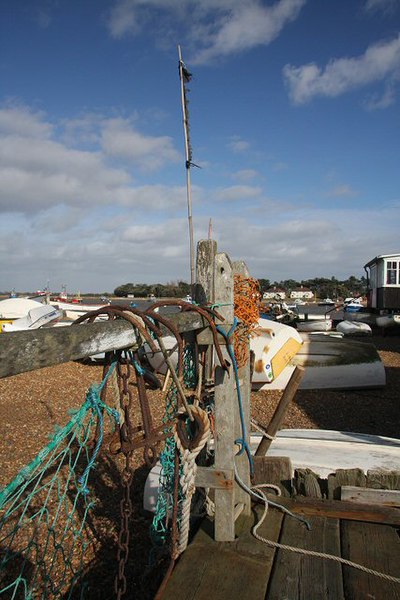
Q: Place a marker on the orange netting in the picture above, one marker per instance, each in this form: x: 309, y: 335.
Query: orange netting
x: 247, y: 299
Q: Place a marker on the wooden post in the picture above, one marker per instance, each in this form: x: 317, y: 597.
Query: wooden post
x: 225, y: 404
x: 242, y: 462
x: 281, y: 409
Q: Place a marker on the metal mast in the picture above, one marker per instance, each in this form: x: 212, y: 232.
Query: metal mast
x: 185, y: 77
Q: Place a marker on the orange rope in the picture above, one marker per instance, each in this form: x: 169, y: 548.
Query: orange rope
x: 247, y: 299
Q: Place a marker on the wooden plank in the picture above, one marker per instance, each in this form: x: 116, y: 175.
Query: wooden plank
x: 353, y: 493
x: 376, y: 547
x: 224, y: 397
x: 344, y: 477
x: 274, y: 469
x: 208, y: 477
x: 382, y: 478
x: 341, y: 509
x: 242, y: 461
x: 297, y: 576
x: 23, y: 351
x: 223, y: 571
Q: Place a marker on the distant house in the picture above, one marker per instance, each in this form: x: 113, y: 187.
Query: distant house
x: 274, y: 294
x: 302, y: 293
x: 383, y: 276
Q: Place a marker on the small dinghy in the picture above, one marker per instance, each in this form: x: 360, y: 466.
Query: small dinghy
x: 41, y: 315
x: 388, y: 321
x: 353, y: 328
x: 317, y: 325
x: 332, y: 363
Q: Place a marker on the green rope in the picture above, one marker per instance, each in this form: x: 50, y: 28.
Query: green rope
x: 44, y: 535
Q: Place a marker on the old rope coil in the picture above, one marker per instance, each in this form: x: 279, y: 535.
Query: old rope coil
x: 189, y: 449
x: 247, y: 310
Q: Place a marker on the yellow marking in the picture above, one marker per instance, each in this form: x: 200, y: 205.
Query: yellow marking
x: 284, y: 356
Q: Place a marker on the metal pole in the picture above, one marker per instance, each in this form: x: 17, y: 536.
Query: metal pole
x: 188, y: 183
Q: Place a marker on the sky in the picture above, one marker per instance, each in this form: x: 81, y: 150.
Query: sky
x: 294, y: 111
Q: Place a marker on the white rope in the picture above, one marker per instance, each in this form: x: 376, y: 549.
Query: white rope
x: 267, y: 502
x: 188, y: 475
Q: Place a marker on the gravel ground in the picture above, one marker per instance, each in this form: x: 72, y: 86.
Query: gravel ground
x: 32, y: 404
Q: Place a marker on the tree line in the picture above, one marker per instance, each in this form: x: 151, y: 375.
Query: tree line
x: 321, y: 286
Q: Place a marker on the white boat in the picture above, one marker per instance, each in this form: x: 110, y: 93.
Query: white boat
x: 353, y: 328
x: 274, y: 346
x: 41, y: 315
x: 16, y: 308
x: 323, y: 452
x: 332, y: 363
x: 314, y: 325
x: 72, y: 311
x: 388, y: 320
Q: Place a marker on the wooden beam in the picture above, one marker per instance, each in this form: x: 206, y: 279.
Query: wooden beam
x: 23, y: 351
x: 280, y: 411
x: 353, y: 493
x: 208, y: 477
x: 340, y: 509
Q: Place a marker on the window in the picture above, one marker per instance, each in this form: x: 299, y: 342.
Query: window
x: 391, y: 272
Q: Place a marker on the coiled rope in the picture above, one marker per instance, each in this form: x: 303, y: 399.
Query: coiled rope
x: 189, y: 450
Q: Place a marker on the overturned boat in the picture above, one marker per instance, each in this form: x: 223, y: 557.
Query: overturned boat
x: 332, y: 363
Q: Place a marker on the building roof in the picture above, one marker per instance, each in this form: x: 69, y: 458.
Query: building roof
x: 381, y: 257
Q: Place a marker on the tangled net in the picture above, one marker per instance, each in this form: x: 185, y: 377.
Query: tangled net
x: 247, y: 299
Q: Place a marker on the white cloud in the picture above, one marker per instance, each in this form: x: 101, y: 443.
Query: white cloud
x: 237, y: 193
x: 376, y: 102
x: 386, y: 6
x: 238, y: 145
x: 380, y: 61
x: 343, y: 191
x: 245, y: 174
x: 214, y: 29
x: 119, y: 139
x: 38, y: 171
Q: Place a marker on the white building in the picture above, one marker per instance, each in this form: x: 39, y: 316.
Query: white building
x: 302, y: 293
x: 383, y: 276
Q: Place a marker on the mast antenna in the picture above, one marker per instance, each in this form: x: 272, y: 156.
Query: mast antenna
x: 185, y: 78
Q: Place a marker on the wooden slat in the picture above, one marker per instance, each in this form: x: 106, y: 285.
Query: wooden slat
x: 374, y: 546
x: 297, y: 576
x: 352, y: 493
x: 274, y: 469
x: 341, y: 509
x: 208, y: 477
x: 224, y: 571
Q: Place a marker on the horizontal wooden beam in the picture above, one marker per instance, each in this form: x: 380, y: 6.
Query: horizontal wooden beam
x: 209, y: 477
x: 23, y: 351
x: 340, y: 509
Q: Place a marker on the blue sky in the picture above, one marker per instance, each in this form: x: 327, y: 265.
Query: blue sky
x: 294, y: 119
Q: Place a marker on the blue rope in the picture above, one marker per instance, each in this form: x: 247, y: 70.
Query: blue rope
x: 242, y: 442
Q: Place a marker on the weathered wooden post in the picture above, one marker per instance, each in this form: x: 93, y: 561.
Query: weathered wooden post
x: 242, y: 462
x: 215, y: 284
